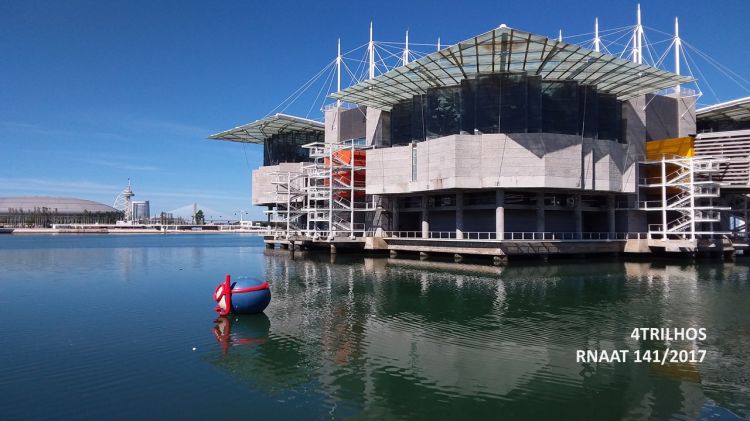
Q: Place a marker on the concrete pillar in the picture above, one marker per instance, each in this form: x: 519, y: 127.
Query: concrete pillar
x: 459, y: 215
x: 393, y: 254
x: 394, y: 218
x: 333, y: 249
x: 611, y: 214
x: 500, y: 260
x: 457, y: 258
x: 425, y: 218
x: 423, y: 255
x: 578, y: 211
x: 540, y: 212
x: 500, y: 214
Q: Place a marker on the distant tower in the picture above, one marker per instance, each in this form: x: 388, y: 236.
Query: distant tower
x: 124, y: 202
x: 195, y: 211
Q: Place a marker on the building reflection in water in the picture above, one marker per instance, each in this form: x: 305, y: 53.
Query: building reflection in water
x: 379, y: 336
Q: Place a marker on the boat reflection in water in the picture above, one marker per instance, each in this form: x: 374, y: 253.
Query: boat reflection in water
x: 383, y: 338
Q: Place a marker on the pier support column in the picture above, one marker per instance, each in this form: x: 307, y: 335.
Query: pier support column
x: 394, y: 213
x: 459, y: 215
x: 578, y: 211
x: 425, y: 218
x: 540, y: 212
x: 500, y: 215
x: 500, y: 260
x: 333, y: 249
x: 611, y: 215
x: 458, y: 258
x: 393, y: 254
x: 423, y: 255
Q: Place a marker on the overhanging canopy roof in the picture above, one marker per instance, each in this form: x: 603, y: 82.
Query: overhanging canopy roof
x: 260, y: 130
x: 506, y: 49
x: 736, y: 110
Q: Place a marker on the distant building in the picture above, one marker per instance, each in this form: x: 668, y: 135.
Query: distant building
x: 39, y: 211
x: 141, y: 211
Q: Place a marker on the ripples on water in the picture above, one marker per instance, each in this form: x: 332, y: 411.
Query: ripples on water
x: 105, y: 326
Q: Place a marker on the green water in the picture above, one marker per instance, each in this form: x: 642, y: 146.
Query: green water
x: 105, y: 326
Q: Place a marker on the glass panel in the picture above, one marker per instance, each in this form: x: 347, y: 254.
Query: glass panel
x: 418, y: 118
x: 444, y: 112
x: 610, y: 116
x: 507, y: 103
x: 534, y: 104
x: 401, y: 123
x: 513, y: 103
x: 487, y: 104
x: 588, y: 104
x: 468, y: 119
x: 560, y: 107
x: 287, y: 147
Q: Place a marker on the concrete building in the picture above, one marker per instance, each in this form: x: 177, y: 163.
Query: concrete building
x: 503, y: 141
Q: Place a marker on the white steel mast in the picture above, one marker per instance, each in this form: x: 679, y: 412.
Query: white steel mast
x: 405, y: 56
x: 438, y: 44
x: 677, y: 46
x: 597, y: 40
x: 638, y: 38
x: 338, y: 72
x: 371, y: 50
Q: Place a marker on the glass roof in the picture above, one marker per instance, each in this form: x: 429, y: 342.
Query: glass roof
x: 737, y: 110
x: 260, y: 130
x: 506, y: 49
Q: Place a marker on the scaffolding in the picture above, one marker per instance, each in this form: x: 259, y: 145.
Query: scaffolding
x: 327, y: 200
x: 287, y: 217
x: 687, y: 194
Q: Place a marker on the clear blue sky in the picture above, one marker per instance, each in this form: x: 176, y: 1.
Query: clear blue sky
x: 94, y: 92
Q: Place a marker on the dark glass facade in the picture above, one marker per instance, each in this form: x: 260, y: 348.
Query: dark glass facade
x: 287, y: 147
x: 508, y: 103
x: 721, y: 125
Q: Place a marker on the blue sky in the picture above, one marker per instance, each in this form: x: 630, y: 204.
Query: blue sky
x: 94, y: 92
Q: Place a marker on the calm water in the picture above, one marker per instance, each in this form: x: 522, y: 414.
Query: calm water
x: 105, y: 326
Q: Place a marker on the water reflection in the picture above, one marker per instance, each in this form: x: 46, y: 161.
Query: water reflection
x: 385, y: 337
x: 241, y: 330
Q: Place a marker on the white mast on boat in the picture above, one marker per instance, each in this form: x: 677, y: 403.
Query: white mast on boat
x: 438, y: 44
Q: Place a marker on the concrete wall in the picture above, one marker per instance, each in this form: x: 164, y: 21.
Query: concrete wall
x: 378, y: 130
x: 263, y: 188
x: 345, y: 124
x: 525, y: 160
x: 669, y: 116
x: 661, y: 117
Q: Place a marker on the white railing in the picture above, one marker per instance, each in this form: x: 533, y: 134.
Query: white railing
x: 517, y: 236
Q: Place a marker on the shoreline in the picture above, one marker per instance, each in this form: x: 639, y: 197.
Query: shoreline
x: 56, y: 231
